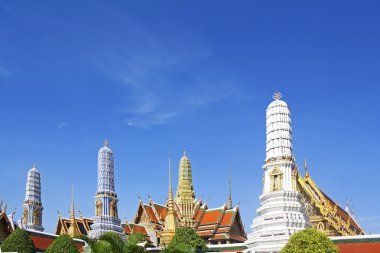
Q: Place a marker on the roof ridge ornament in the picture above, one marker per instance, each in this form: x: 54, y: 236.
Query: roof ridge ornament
x: 277, y: 95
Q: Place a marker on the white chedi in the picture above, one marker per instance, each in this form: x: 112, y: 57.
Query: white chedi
x: 106, y: 212
x: 281, y: 212
x: 32, y: 213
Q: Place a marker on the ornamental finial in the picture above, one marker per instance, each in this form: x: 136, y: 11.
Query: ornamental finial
x: 277, y: 95
x: 34, y: 165
x: 305, y: 165
x: 184, y: 151
x: 105, y: 143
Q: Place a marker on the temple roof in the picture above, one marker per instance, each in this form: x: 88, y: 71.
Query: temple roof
x: 329, y: 209
x: 213, y: 224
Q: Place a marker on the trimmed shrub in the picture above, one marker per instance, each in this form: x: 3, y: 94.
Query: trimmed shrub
x: 309, y: 240
x: 187, y: 240
x: 19, y: 241
x: 131, y: 246
x: 63, y: 244
x: 114, y: 240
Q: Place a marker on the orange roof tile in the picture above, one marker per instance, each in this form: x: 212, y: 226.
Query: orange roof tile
x: 161, y: 210
x: 138, y: 229
x: 151, y: 213
x: 204, y: 233
x: 219, y: 237
x: 238, y: 238
x: 207, y: 227
x: 212, y: 216
x: 227, y: 218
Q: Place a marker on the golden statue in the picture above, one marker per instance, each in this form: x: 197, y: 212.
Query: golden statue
x: 25, y: 216
x: 113, y: 208
x: 36, y: 217
x: 99, y: 207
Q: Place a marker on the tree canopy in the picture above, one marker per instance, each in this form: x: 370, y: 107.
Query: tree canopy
x: 18, y: 241
x: 63, y: 244
x: 187, y: 240
x: 131, y: 246
x: 309, y: 240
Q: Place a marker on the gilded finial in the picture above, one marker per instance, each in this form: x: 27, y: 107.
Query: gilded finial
x: 277, y: 95
x: 105, y: 143
x: 229, y: 199
x: 306, y: 170
x: 72, y: 230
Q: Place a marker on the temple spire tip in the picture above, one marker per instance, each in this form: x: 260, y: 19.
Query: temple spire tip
x: 277, y: 95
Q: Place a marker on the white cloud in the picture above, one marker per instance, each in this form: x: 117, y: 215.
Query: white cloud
x: 160, y: 80
x: 5, y: 72
x: 62, y: 125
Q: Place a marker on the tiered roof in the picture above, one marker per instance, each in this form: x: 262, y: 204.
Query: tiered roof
x: 213, y: 225
x: 323, y: 210
x: 82, y: 224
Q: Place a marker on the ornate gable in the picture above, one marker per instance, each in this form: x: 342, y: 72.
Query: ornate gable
x: 325, y: 214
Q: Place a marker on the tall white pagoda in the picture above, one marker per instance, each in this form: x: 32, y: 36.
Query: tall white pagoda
x: 281, y: 212
x: 106, y: 213
x: 32, y: 214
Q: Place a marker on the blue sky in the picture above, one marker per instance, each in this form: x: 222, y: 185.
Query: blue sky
x: 158, y: 76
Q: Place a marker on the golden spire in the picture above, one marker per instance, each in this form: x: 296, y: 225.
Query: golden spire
x: 229, y: 200
x: 185, y: 196
x: 306, y: 171
x: 72, y: 230
x: 171, y: 219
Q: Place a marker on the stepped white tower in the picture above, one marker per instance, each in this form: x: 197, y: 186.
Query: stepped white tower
x: 32, y: 215
x: 281, y: 212
x: 106, y: 214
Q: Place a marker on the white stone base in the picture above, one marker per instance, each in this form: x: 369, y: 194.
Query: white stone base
x: 104, y: 224
x: 280, y: 215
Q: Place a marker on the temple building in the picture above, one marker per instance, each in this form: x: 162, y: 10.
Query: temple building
x: 106, y: 213
x: 7, y: 223
x: 325, y: 214
x: 32, y: 215
x: 281, y: 212
x: 221, y: 225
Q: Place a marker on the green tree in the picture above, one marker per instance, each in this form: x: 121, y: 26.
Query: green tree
x: 18, y: 241
x: 63, y: 244
x: 114, y: 241
x: 131, y: 246
x: 186, y: 240
x: 309, y: 240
